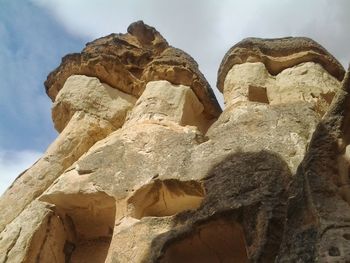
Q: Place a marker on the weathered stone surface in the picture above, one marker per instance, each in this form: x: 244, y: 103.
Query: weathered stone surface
x: 277, y: 55
x: 80, y: 134
x: 268, y: 181
x: 306, y: 82
x: 85, y: 112
x: 162, y: 101
x: 126, y: 165
x: 128, y: 61
x: 130, y: 157
x: 235, y: 188
x: 87, y: 94
x: 23, y: 239
x: 318, y: 215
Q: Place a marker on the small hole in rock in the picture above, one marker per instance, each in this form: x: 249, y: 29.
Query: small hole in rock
x: 346, y: 236
x: 258, y: 94
x: 334, y: 252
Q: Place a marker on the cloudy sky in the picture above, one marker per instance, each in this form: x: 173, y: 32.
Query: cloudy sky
x: 35, y: 34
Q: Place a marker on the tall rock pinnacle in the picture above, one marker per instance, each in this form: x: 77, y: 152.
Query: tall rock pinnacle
x: 147, y: 168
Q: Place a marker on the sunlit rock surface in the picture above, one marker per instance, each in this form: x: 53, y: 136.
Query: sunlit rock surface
x: 147, y: 168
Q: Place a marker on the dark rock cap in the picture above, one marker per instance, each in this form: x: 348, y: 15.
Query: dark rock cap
x: 278, y: 54
x: 128, y: 61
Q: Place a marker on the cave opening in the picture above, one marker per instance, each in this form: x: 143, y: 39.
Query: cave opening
x: 220, y: 240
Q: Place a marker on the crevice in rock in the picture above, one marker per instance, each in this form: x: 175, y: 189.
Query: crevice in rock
x: 68, y: 250
x: 13, y: 243
x: 220, y: 240
x: 84, y: 172
x: 165, y: 198
x: 47, y: 232
x: 334, y: 251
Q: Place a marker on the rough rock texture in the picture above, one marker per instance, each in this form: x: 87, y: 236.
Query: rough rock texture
x: 88, y: 122
x: 277, y: 55
x: 147, y: 176
x: 81, y: 93
x: 307, y: 82
x: 128, y: 61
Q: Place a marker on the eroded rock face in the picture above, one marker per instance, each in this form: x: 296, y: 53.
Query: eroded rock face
x: 81, y: 94
x: 129, y: 61
x: 143, y: 171
x: 277, y: 55
x: 307, y: 82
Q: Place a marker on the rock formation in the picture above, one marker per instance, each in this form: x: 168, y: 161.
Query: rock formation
x: 147, y: 168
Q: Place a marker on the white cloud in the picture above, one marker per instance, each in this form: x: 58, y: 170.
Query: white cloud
x: 12, y: 163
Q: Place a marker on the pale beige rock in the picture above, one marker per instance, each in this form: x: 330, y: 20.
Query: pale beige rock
x: 308, y: 82
x: 261, y: 107
x: 151, y: 139
x: 305, y: 82
x: 85, y: 112
x: 252, y: 127
x: 43, y: 234
x: 87, y: 221
x: 80, y: 134
x: 49, y: 241
x: 88, y: 94
x: 267, y: 182
x: 152, y: 133
x: 23, y: 239
x: 136, y: 249
x: 165, y: 198
x: 150, y: 213
x: 119, y: 188
x: 241, y: 78
x: 278, y: 54
x: 163, y: 101
x: 125, y: 166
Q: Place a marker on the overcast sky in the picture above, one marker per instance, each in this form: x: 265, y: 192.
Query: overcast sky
x: 35, y: 34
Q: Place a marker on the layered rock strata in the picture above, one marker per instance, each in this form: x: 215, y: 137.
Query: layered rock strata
x: 146, y: 169
x: 279, y: 54
x: 129, y: 61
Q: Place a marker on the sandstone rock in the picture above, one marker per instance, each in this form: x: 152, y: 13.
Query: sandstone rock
x: 268, y: 181
x: 80, y: 134
x: 130, y: 157
x: 86, y: 94
x: 162, y: 101
x: 277, y: 55
x: 23, y: 239
x: 85, y: 112
x: 128, y: 61
x: 318, y: 215
x: 126, y: 166
x: 306, y: 82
